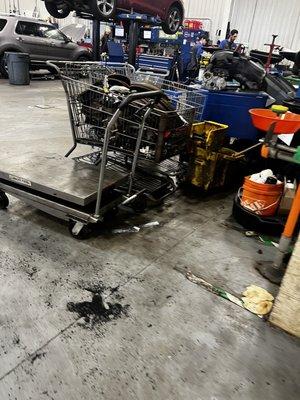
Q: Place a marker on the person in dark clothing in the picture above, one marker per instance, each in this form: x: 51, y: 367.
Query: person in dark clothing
x: 229, y: 44
x: 104, y: 41
x: 198, y: 50
x: 296, y: 67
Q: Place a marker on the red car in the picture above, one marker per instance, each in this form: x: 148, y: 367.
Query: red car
x: 171, y: 12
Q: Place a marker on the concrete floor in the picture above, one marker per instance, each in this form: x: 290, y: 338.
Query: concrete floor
x: 177, y: 342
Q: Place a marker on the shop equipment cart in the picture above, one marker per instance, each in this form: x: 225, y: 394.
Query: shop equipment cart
x: 133, y: 135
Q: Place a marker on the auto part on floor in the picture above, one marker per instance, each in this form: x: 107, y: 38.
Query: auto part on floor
x: 212, y: 165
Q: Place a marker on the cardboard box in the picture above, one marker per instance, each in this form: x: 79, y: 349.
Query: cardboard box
x: 287, y: 200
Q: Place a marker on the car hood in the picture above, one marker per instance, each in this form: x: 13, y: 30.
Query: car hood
x: 74, y: 31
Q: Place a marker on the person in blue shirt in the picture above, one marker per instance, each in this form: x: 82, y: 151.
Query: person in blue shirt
x: 229, y: 44
x: 198, y: 50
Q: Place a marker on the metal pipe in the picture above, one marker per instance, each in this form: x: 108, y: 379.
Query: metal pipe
x: 246, y: 150
x: 137, y: 148
x: 286, y: 148
x: 288, y: 232
x: 280, y: 155
x: 104, y: 160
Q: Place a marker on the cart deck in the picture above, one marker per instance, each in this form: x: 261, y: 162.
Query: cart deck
x: 60, y: 177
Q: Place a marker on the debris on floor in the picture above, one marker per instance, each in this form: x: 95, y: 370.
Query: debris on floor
x: 98, y: 310
x: 231, y: 224
x: 43, y: 106
x: 256, y: 300
x: 268, y: 241
x: 271, y: 241
x: 135, y: 229
x: 37, y: 356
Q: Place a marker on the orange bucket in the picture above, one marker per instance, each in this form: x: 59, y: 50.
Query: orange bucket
x: 261, y: 198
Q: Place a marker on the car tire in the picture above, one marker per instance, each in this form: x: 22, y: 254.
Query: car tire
x: 4, y: 202
x: 3, y: 68
x: 104, y: 11
x: 173, y: 20
x: 61, y: 10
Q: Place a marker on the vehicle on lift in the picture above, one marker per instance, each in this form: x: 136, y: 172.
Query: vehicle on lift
x: 41, y: 40
x: 171, y: 12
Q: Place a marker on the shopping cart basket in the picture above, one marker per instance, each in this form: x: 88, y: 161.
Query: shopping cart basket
x: 90, y: 71
x: 97, y: 93
x: 178, y: 92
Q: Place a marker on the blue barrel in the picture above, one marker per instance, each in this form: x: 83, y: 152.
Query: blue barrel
x: 18, y: 68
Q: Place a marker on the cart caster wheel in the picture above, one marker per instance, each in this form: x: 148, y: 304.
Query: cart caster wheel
x: 140, y: 204
x: 111, y: 214
x: 4, y: 202
x: 83, y: 233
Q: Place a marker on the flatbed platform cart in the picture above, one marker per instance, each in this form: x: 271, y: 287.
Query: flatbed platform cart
x: 130, y: 154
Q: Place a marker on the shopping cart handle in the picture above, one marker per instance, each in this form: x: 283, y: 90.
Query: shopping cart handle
x: 154, y: 94
x: 54, y: 66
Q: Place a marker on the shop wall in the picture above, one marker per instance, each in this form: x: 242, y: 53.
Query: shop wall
x: 257, y: 20
x: 26, y: 6
x: 213, y: 9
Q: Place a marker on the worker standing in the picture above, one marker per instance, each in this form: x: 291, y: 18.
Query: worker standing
x: 106, y: 37
x: 198, y: 50
x: 229, y: 44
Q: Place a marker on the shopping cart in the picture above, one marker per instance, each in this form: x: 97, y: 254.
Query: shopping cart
x: 134, y: 134
x: 95, y: 94
x: 165, y: 128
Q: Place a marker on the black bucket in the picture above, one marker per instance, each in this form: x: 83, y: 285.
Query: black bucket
x: 18, y: 68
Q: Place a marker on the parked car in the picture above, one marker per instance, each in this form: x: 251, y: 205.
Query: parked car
x: 41, y: 40
x: 171, y: 12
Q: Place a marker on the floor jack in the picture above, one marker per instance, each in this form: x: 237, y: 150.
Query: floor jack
x: 282, y: 123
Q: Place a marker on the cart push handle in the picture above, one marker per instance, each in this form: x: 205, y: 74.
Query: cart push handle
x: 154, y: 94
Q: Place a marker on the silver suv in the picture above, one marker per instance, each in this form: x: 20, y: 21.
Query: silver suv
x: 41, y: 40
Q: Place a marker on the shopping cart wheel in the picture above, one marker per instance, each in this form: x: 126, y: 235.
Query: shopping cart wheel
x: 111, y: 214
x: 4, y: 202
x: 80, y: 231
x: 140, y: 204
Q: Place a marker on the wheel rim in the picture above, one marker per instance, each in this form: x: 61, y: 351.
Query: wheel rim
x: 62, y: 8
x: 106, y: 6
x: 174, y: 20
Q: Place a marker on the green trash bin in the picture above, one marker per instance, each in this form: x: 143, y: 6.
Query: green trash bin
x: 18, y: 68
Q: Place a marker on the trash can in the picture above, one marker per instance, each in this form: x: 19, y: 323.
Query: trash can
x: 18, y: 68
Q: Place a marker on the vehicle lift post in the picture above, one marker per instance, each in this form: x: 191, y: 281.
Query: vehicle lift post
x: 133, y: 41
x: 96, y: 40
